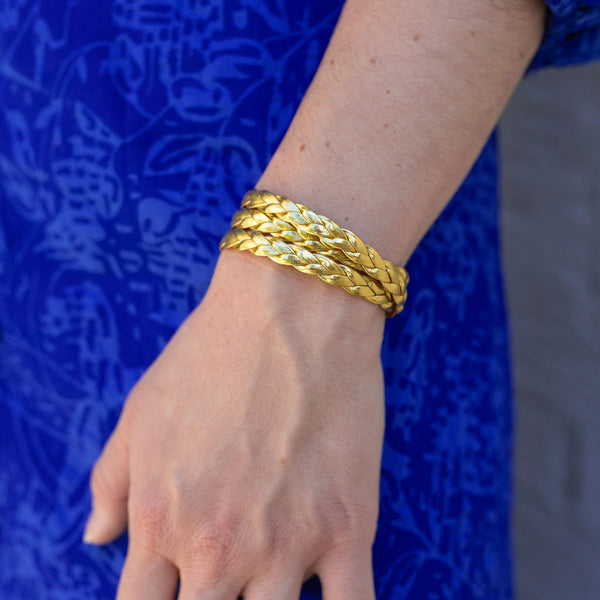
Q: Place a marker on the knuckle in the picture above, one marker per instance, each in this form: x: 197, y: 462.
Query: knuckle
x: 100, y: 483
x: 149, y: 518
x: 102, y: 480
x: 351, y: 526
x: 214, y: 550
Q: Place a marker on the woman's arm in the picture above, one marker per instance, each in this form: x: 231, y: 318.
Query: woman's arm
x: 248, y: 456
x: 405, y: 98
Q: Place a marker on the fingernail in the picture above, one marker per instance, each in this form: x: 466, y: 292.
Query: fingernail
x: 92, y: 530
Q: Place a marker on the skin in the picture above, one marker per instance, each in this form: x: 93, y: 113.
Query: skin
x: 248, y: 480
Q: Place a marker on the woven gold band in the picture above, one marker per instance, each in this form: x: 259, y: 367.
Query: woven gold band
x: 289, y: 233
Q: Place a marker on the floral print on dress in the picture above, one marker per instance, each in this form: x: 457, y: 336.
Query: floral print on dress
x: 129, y: 131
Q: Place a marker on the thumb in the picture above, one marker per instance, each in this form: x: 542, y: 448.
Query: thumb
x: 110, y: 489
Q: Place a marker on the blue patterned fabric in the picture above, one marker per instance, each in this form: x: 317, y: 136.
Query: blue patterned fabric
x: 571, y: 34
x: 129, y: 131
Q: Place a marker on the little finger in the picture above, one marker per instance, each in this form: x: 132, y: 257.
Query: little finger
x: 347, y: 574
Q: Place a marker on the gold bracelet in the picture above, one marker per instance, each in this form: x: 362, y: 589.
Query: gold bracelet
x: 343, y: 245
x: 288, y: 233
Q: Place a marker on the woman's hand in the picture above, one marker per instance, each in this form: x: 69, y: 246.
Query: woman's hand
x: 248, y: 456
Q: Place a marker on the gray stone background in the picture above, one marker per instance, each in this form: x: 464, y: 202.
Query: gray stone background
x: 550, y: 189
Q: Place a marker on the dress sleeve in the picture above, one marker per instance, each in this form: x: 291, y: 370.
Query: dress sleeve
x: 572, y: 34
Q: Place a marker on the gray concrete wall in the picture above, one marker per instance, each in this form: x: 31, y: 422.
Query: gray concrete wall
x: 550, y: 141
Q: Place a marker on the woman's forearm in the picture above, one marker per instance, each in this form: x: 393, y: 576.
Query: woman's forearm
x: 403, y: 102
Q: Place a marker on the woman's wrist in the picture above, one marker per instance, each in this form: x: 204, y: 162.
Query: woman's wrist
x: 281, y: 293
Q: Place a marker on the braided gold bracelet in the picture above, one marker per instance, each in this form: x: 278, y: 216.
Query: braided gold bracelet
x: 289, y: 233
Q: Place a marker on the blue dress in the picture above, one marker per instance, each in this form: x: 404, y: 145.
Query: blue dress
x: 129, y: 131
